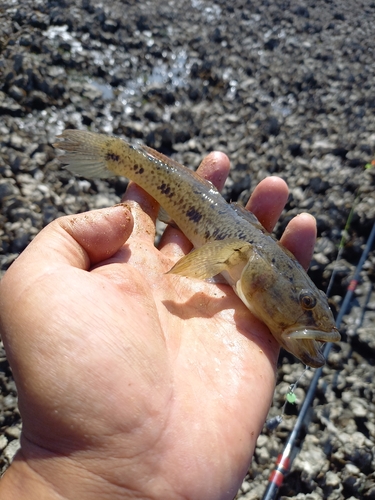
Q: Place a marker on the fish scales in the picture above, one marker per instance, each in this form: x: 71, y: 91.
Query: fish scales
x: 228, y: 240
x: 186, y: 197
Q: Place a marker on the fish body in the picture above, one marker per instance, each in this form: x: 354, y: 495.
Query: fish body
x: 228, y: 240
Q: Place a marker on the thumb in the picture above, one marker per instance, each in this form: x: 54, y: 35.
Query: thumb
x: 77, y: 241
x: 94, y: 236
x: 80, y: 240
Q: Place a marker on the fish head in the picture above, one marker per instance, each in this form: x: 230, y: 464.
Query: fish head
x: 278, y: 291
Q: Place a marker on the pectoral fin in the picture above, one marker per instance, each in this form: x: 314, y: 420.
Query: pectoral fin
x: 163, y: 216
x: 213, y: 258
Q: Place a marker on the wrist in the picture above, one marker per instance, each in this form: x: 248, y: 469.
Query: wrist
x: 21, y: 481
x: 60, y: 479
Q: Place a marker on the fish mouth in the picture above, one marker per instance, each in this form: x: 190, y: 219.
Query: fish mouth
x: 306, y: 344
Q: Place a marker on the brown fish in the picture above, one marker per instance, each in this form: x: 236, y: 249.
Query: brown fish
x: 228, y: 240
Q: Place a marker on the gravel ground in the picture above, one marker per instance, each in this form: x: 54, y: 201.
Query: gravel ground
x: 283, y: 87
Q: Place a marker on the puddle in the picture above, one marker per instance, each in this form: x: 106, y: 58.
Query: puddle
x: 104, y: 88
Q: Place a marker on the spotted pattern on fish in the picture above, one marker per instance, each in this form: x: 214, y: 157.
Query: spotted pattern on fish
x: 227, y: 240
x: 112, y: 157
x: 194, y: 215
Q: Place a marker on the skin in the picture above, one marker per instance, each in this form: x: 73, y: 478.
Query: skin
x: 133, y: 383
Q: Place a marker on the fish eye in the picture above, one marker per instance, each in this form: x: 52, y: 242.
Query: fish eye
x: 307, y: 299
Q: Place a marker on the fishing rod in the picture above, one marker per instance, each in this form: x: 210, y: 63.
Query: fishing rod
x: 285, y: 459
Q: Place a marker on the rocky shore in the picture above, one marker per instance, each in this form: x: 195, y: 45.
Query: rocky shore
x: 284, y: 88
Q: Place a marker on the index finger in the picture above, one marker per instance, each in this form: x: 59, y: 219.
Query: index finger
x: 268, y: 201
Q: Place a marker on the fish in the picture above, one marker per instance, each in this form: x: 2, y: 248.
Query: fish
x: 228, y: 240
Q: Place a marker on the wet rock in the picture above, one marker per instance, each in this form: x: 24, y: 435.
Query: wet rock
x: 8, y: 189
x: 318, y: 185
x: 8, y: 106
x: 271, y: 126
x: 281, y: 91
x: 271, y: 44
x: 3, y: 442
x: 11, y: 450
x: 295, y: 149
x: 13, y: 432
x: 37, y: 100
x: 301, y: 11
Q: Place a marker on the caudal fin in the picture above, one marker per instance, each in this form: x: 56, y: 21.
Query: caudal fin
x: 85, y: 153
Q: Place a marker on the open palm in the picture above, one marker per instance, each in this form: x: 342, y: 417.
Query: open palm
x: 134, y: 383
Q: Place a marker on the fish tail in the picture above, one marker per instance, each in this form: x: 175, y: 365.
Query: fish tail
x: 89, y: 154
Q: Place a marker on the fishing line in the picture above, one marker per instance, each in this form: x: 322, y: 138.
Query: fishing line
x: 290, y: 397
x: 285, y: 459
x: 345, y: 232
x: 344, y: 239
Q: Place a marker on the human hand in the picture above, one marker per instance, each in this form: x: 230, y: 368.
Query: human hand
x: 134, y: 383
